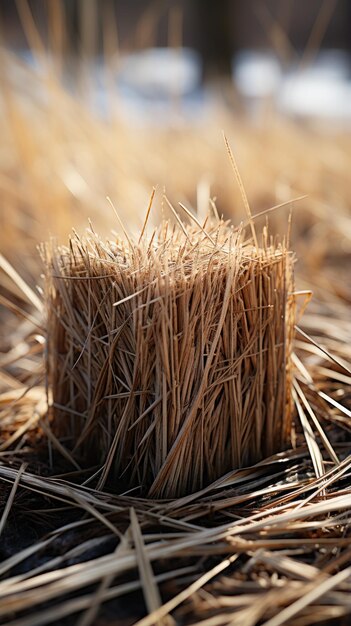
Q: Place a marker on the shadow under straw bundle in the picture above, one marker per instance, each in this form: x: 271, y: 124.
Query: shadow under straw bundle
x: 169, y: 359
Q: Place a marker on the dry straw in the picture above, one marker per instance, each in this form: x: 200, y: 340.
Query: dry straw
x: 169, y: 359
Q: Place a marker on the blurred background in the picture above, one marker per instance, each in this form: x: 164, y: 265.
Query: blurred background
x: 111, y: 98
x: 296, y: 52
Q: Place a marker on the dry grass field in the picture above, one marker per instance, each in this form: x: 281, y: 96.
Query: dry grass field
x: 110, y: 518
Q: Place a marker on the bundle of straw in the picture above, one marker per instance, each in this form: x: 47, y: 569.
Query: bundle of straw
x: 169, y: 359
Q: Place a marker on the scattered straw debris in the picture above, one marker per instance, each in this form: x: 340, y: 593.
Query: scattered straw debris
x: 266, y: 543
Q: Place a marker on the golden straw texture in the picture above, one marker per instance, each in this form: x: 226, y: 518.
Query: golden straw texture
x: 169, y: 359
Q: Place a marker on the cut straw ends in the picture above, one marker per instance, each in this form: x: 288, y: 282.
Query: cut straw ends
x: 169, y: 360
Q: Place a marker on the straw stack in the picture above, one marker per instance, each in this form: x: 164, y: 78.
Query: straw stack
x: 169, y: 359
